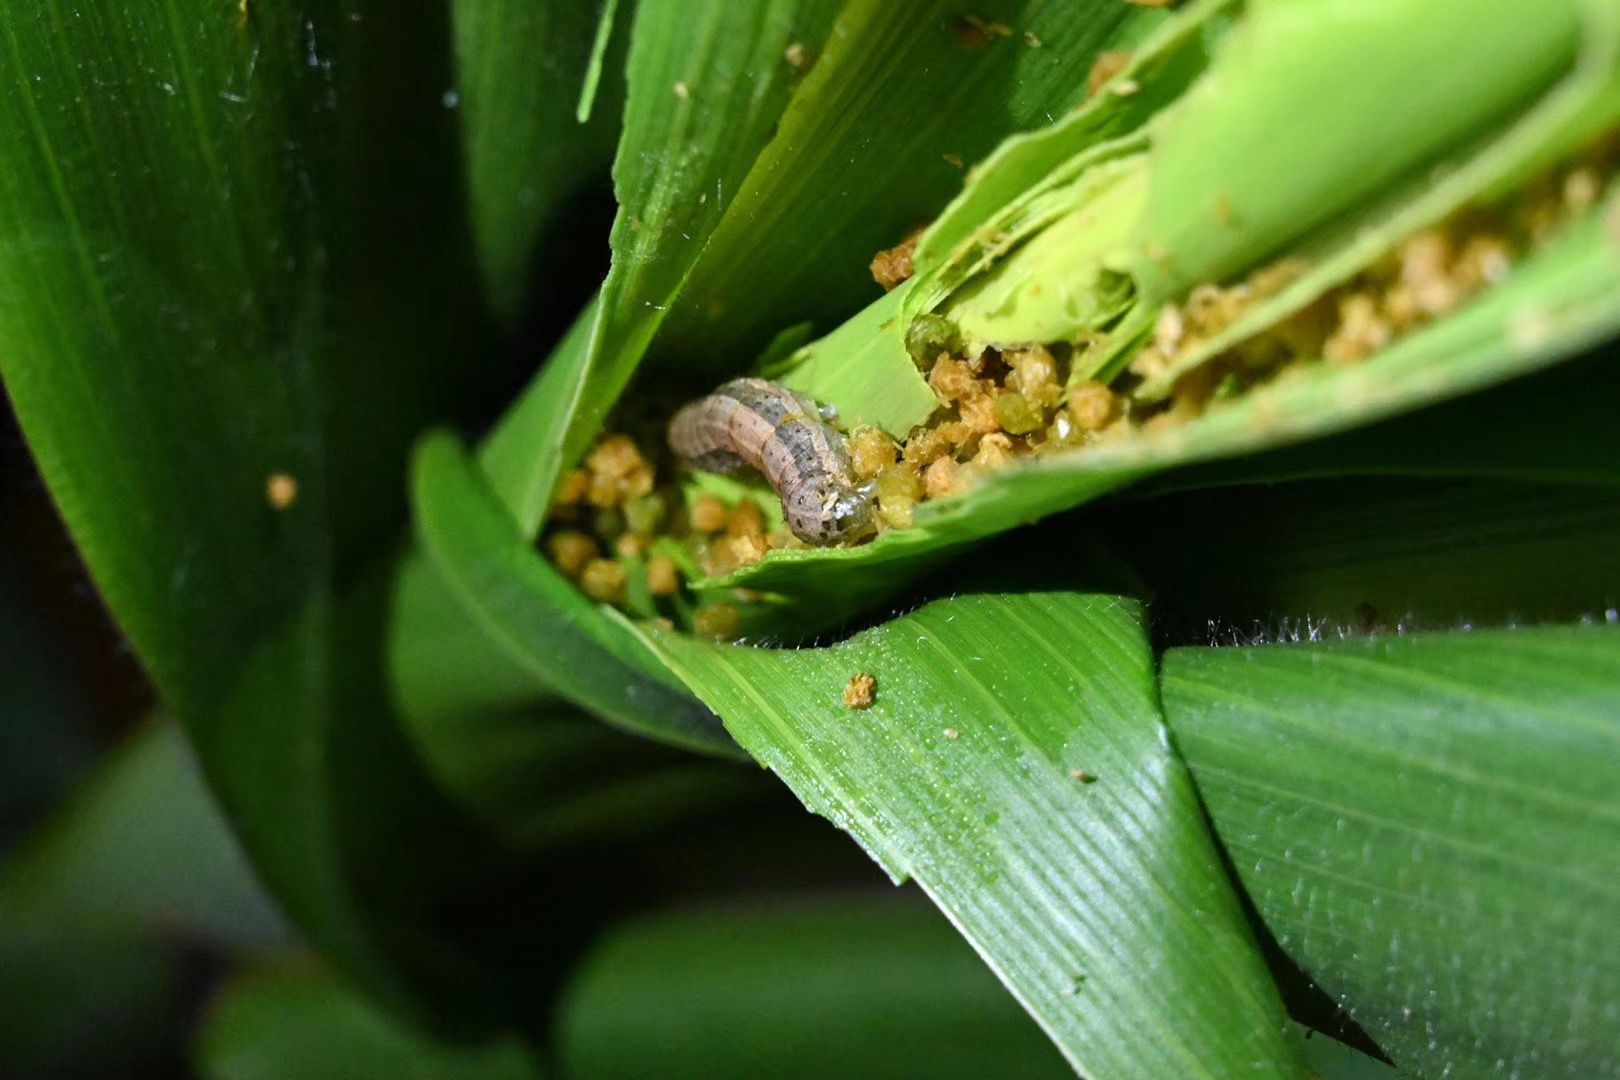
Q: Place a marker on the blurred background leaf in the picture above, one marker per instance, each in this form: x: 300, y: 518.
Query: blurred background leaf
x: 298, y: 1020
x: 112, y: 915
x: 806, y: 987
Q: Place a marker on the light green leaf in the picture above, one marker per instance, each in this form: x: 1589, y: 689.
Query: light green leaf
x: 203, y: 283
x: 1428, y: 825
x: 533, y: 445
x: 1361, y: 68
x: 802, y: 988
x: 1101, y: 905
x: 297, y: 1020
x: 867, y: 367
x: 593, y: 71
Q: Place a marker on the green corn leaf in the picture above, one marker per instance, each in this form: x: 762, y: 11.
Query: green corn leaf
x: 1101, y: 904
x: 874, y: 144
x: 203, y: 284
x: 810, y: 987
x: 142, y: 845
x: 799, y: 988
x: 519, y: 69
x: 707, y: 81
x: 1559, y: 301
x: 531, y: 447
x: 538, y: 618
x: 293, y: 1019
x: 1428, y: 826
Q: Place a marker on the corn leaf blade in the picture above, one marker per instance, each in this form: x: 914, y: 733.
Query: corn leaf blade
x: 1428, y: 826
x: 202, y: 289
x: 1100, y: 905
x: 540, y: 620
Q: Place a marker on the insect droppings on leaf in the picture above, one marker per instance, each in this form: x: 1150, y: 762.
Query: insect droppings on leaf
x: 280, y: 491
x: 860, y: 691
x: 893, y: 266
x: 1105, y: 67
x: 974, y: 33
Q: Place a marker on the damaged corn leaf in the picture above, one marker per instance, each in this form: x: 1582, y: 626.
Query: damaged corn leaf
x: 1126, y: 89
x: 1428, y: 826
x: 881, y: 127
x: 1006, y: 752
x: 1586, y: 98
x: 707, y: 83
x: 1562, y: 299
x: 1485, y: 310
x: 683, y: 174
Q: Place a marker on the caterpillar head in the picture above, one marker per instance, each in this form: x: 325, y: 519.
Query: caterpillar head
x: 830, y: 514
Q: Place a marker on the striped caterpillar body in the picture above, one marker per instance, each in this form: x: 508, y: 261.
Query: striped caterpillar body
x: 760, y: 425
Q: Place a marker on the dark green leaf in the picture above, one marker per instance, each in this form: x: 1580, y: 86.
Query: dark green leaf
x: 1322, y: 559
x: 142, y: 846
x: 520, y: 67
x: 230, y: 247
x: 77, y: 1002
x: 1554, y: 427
